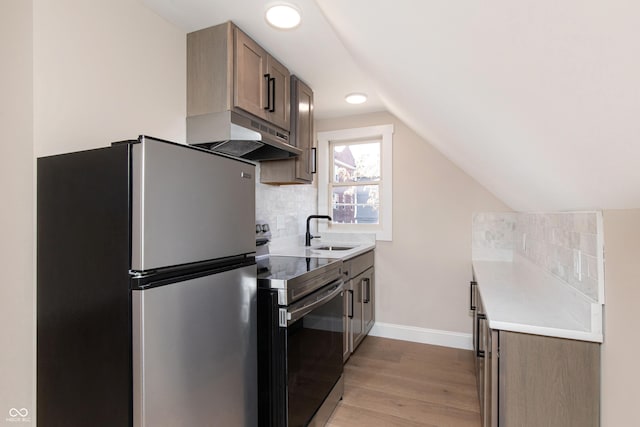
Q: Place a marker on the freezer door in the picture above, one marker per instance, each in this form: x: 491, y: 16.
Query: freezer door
x: 195, y: 352
x: 188, y: 205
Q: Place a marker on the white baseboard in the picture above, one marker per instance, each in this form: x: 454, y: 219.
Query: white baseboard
x: 422, y: 335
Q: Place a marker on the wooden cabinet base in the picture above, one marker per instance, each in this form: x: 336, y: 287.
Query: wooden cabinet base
x: 359, y: 302
x: 546, y: 381
x: 527, y: 380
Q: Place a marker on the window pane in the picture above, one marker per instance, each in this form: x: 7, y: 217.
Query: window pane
x: 356, y: 162
x: 358, y: 204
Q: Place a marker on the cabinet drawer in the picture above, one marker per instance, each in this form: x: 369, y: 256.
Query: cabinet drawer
x: 358, y: 264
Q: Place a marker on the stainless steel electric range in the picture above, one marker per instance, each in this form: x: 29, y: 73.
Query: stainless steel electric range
x: 300, y: 335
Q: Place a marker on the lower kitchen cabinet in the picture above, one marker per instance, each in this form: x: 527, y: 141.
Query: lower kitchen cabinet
x: 547, y: 381
x: 359, y: 299
x: 528, y: 380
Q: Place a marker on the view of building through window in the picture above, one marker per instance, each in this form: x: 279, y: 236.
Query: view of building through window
x: 355, y: 182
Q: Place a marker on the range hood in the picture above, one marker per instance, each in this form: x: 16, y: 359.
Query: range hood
x: 237, y: 135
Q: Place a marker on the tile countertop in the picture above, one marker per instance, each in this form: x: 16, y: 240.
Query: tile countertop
x: 360, y: 243
x: 520, y: 297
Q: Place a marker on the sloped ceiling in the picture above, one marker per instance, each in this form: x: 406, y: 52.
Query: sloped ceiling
x: 537, y: 100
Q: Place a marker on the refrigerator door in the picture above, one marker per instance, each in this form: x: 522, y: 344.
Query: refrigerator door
x: 188, y: 205
x: 194, y: 352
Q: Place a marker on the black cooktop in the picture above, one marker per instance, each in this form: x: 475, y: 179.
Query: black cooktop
x: 295, y: 277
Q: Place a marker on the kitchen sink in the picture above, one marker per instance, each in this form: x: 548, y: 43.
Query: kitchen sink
x: 333, y: 248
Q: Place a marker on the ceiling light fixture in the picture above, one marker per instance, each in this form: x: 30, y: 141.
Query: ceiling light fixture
x: 284, y: 16
x: 356, y: 98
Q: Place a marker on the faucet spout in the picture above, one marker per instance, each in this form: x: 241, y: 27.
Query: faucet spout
x: 308, y: 236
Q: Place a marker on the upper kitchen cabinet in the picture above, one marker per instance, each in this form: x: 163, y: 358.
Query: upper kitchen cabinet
x: 261, y: 83
x: 227, y: 70
x: 300, y: 169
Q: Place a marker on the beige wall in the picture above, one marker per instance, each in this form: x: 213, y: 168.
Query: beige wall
x: 16, y: 212
x: 105, y: 71
x: 621, y: 348
x: 75, y: 75
x: 422, y: 275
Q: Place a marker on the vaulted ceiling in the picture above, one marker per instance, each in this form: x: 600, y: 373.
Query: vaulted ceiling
x: 537, y: 100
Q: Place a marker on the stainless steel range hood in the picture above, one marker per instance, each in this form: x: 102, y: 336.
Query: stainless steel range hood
x: 237, y: 135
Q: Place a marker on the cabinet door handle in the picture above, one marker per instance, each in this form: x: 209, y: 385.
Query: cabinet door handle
x: 272, y: 81
x: 268, y: 79
x: 472, y: 306
x: 350, y: 315
x: 366, y: 282
x: 314, y: 160
x: 479, y: 316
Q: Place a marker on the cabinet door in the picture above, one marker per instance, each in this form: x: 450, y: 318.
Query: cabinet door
x: 357, y: 329
x: 368, y: 312
x: 250, y: 80
x: 346, y: 347
x: 298, y: 170
x: 480, y: 352
x: 548, y: 381
x: 278, y: 91
x: 488, y: 364
x: 492, y: 419
x: 302, y: 130
x: 473, y: 291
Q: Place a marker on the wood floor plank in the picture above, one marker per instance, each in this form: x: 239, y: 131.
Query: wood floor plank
x: 351, y: 416
x: 400, y: 383
x: 418, y: 368
x: 414, y: 410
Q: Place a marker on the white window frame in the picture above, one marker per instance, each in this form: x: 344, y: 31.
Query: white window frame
x: 384, y: 133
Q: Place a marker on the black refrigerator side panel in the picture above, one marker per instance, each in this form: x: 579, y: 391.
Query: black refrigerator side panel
x: 83, y: 298
x: 272, y: 363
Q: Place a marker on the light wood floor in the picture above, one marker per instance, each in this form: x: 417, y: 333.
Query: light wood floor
x: 399, y: 383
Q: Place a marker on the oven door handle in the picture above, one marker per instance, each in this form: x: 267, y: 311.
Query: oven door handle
x: 296, y: 314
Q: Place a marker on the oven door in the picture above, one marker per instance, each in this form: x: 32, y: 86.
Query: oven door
x: 314, y: 351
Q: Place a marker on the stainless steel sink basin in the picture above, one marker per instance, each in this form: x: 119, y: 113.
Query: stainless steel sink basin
x: 333, y: 248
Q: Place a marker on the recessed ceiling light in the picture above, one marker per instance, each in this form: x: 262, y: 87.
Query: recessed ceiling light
x: 356, y: 98
x: 283, y: 15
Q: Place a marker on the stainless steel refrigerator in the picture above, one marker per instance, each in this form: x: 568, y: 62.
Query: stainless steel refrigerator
x: 146, y: 287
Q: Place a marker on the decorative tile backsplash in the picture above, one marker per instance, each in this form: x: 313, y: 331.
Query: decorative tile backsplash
x: 566, y: 244
x: 286, y: 206
x: 493, y: 236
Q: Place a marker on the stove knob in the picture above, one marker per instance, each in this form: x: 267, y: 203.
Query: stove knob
x: 258, y: 228
x: 265, y: 228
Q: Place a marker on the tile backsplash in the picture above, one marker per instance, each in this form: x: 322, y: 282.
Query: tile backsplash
x: 568, y: 245
x: 285, y: 207
x: 493, y: 236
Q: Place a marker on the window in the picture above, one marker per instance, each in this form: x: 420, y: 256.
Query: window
x: 355, y: 180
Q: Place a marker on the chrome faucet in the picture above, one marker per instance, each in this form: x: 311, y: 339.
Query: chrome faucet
x: 308, y: 236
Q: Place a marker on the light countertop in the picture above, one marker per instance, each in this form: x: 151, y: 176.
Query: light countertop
x: 359, y: 243
x: 520, y: 297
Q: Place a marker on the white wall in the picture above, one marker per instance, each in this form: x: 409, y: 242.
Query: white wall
x: 17, y: 209
x: 422, y: 276
x: 75, y: 75
x: 620, y: 369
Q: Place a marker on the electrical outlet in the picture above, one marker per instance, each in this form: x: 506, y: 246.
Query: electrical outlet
x: 524, y: 242
x: 280, y: 222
